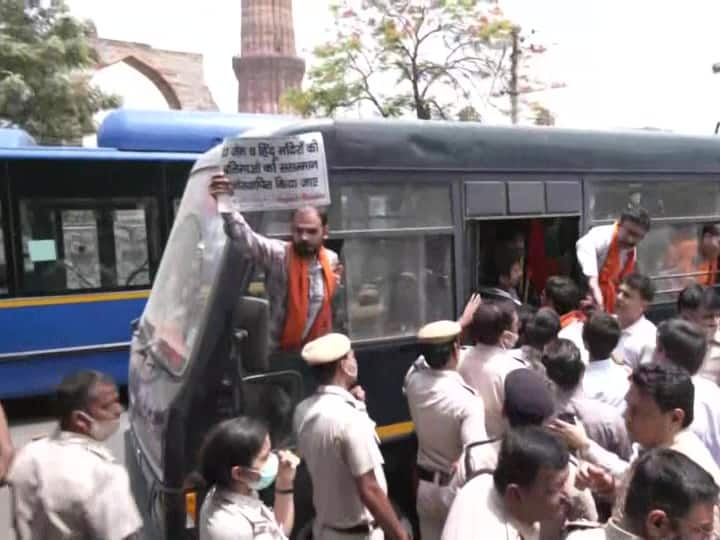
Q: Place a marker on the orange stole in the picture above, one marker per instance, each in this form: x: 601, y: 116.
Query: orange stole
x: 570, y: 317
x: 612, y: 273
x: 709, y: 275
x: 298, y: 299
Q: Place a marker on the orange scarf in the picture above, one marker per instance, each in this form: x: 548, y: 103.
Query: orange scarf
x: 611, y: 273
x: 571, y: 317
x: 709, y: 269
x: 298, y: 300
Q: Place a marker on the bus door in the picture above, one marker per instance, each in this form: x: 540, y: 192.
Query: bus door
x: 533, y: 220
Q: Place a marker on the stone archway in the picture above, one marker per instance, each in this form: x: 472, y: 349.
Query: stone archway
x: 177, y: 75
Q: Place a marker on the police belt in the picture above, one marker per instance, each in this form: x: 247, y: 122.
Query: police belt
x: 436, y: 477
x: 362, y: 528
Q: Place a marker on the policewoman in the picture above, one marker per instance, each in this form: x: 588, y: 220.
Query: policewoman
x: 237, y: 460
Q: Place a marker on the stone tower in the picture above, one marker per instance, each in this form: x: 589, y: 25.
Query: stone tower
x: 267, y: 66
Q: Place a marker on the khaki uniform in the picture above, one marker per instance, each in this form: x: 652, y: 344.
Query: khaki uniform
x: 227, y: 515
x: 478, y: 511
x: 447, y: 414
x: 68, y: 486
x: 337, y: 440
x: 484, y: 368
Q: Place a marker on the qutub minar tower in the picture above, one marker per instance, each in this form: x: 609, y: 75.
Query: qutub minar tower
x: 268, y: 65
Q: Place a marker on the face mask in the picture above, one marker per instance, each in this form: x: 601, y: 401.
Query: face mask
x: 509, y: 339
x: 101, y: 430
x: 267, y: 474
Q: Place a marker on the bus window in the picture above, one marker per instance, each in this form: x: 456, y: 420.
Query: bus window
x: 76, y: 244
x: 3, y: 258
x: 669, y: 254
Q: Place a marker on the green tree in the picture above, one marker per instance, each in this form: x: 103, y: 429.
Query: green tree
x: 405, y: 56
x: 45, y: 62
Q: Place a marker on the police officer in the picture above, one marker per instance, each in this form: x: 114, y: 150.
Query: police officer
x: 68, y: 485
x: 447, y: 414
x: 238, y: 461
x: 337, y: 440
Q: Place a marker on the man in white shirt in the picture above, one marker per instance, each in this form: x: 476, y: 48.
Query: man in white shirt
x: 701, y: 305
x: 683, y: 343
x: 604, y: 379
x: 638, y: 337
x: 484, y: 367
x: 527, y: 487
x: 608, y: 253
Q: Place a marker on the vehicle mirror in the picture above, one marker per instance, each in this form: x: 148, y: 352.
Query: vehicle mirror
x: 272, y: 397
x: 250, y: 334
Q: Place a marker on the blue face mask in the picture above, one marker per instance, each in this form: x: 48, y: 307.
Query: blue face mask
x: 267, y: 474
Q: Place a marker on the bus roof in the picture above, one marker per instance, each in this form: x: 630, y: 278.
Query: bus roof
x: 15, y: 137
x: 178, y: 131
x: 472, y: 147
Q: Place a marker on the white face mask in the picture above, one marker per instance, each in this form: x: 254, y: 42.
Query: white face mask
x: 101, y: 430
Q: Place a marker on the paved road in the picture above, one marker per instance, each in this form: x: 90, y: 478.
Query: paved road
x: 30, y: 418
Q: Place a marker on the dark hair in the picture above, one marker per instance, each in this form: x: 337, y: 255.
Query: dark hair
x: 321, y: 212
x: 526, y: 450
x: 505, y: 258
x: 695, y: 296
x: 601, y: 333
x: 324, y: 373
x: 76, y: 392
x: 668, y: 385
x: 563, y: 364
x: 490, y: 321
x: 563, y: 294
x: 542, y: 328
x: 710, y: 228
x: 234, y: 442
x: 683, y: 343
x: 437, y: 355
x: 663, y: 479
x: 525, y: 313
x: 642, y: 284
x: 639, y: 216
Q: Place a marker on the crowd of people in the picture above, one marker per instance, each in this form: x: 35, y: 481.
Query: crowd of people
x: 577, y: 419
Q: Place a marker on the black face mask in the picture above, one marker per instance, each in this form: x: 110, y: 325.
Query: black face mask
x: 304, y: 249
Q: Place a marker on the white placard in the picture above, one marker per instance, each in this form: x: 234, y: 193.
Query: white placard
x: 277, y: 173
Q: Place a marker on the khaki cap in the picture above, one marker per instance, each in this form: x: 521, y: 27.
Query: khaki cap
x: 326, y: 349
x: 439, y: 332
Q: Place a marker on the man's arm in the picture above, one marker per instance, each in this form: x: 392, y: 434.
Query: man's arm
x: 7, y: 451
x: 374, y: 498
x: 587, y: 255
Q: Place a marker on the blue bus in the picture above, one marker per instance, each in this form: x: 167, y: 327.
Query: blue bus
x: 82, y: 231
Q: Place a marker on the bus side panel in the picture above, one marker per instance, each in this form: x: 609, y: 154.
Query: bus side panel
x: 33, y: 328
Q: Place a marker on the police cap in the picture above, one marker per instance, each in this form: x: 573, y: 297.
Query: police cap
x: 439, y: 332
x: 326, y: 349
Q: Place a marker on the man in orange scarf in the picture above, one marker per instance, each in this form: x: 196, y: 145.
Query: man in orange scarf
x: 301, y: 276
x: 607, y: 254
x: 709, y: 253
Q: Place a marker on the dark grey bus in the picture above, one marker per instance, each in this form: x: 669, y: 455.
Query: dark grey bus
x: 417, y: 208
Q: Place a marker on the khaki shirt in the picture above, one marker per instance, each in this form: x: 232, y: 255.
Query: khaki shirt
x: 478, y: 511
x: 227, y: 515
x: 68, y: 486
x: 337, y: 440
x: 447, y: 414
x: 484, y: 368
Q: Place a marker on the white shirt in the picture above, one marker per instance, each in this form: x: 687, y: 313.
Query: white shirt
x: 592, y: 250
x: 478, y: 511
x: 484, y: 368
x: 574, y: 332
x: 227, y: 515
x: 706, y: 422
x: 637, y: 343
x: 606, y: 381
x: 69, y: 486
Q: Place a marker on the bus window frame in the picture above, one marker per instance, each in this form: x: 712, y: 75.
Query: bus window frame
x: 8, y: 236
x: 592, y: 181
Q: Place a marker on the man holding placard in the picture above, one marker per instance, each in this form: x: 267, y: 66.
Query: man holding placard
x: 301, y: 276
